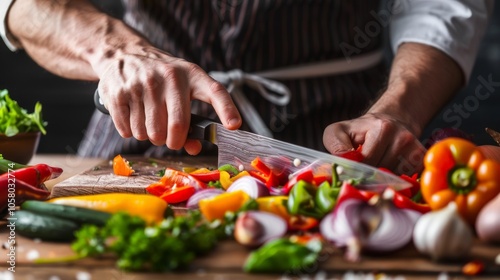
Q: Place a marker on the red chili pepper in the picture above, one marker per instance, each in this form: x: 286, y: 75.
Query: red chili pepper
x: 36, y: 174
x: 354, y: 155
x: 14, y: 191
x: 270, y: 180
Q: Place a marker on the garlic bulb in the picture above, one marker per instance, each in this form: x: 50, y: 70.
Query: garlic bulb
x: 443, y: 234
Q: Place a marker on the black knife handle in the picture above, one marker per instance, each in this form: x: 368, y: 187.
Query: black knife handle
x: 99, y: 104
x: 200, y: 127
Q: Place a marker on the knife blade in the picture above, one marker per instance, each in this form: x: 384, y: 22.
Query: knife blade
x: 240, y: 147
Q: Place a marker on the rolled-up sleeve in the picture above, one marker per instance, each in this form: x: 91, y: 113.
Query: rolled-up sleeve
x: 9, y: 40
x: 455, y: 27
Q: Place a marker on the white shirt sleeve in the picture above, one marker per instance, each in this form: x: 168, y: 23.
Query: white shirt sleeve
x: 9, y: 40
x: 455, y: 27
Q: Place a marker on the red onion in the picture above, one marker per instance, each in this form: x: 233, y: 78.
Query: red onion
x: 192, y: 202
x: 254, y: 228
x: 250, y: 185
x: 357, y: 225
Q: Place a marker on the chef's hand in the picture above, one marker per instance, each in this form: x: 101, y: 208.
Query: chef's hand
x: 385, y: 141
x: 148, y: 95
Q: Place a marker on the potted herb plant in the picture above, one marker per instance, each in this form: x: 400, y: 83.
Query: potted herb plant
x: 19, y: 130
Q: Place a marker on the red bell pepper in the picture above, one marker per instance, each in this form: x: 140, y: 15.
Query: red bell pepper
x: 205, y: 177
x: 178, y: 194
x: 401, y: 201
x: 304, y: 175
x: 272, y: 178
x: 175, y: 186
x: 354, y: 154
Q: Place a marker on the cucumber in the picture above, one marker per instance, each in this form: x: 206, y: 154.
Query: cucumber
x: 34, y: 225
x: 78, y: 215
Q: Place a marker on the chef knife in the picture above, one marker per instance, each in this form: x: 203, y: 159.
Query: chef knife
x: 240, y: 147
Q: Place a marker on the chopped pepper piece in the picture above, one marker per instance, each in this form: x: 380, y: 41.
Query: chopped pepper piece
x: 216, y: 207
x: 121, y: 166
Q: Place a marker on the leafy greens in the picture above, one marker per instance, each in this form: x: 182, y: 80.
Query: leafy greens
x: 14, y: 119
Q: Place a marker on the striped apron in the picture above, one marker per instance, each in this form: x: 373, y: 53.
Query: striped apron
x: 258, y: 36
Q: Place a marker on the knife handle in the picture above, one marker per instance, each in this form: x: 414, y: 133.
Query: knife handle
x: 201, y: 128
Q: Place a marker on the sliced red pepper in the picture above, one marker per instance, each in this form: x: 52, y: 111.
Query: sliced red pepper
x: 299, y: 222
x: 174, y: 177
x: 404, y: 202
x: 178, y: 194
x: 348, y: 191
x: 156, y: 189
x: 354, y: 155
x: 258, y: 164
x: 206, y: 177
x: 401, y: 201
x: 305, y: 175
x: 270, y: 180
x: 320, y: 179
x: 413, y: 180
x: 258, y: 175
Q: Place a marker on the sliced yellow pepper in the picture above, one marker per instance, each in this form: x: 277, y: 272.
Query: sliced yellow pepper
x: 226, y: 180
x: 216, y: 207
x: 274, y: 205
x: 148, y: 207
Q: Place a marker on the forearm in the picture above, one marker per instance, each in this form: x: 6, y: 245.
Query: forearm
x: 421, y: 82
x: 68, y: 38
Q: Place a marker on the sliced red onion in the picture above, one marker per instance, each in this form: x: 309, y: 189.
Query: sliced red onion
x: 250, y: 185
x: 394, y: 231
x: 379, y: 228
x: 192, y: 202
x: 339, y: 226
x: 254, y: 228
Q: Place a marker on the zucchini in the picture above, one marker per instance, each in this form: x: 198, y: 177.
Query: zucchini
x: 78, y: 215
x: 34, y: 225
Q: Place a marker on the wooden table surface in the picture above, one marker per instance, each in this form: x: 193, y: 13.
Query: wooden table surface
x: 227, y: 259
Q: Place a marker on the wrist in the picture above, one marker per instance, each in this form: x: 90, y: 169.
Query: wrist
x: 394, y: 105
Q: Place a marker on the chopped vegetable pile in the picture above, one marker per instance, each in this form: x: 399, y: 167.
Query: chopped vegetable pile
x: 289, y: 219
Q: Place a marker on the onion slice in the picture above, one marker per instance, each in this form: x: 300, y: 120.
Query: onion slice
x: 250, y: 185
x: 357, y: 225
x: 254, y: 228
x: 192, y: 202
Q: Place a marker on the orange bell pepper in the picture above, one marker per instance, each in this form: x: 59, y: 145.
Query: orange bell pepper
x: 456, y: 170
x: 216, y: 207
x: 122, y: 167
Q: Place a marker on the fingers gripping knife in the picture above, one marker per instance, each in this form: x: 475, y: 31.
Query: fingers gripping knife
x: 240, y: 147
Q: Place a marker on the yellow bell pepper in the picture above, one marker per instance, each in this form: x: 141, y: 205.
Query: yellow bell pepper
x: 226, y: 180
x: 216, y: 207
x: 274, y: 205
x: 148, y: 207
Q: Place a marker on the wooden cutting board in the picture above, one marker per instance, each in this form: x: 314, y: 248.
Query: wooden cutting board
x: 101, y: 179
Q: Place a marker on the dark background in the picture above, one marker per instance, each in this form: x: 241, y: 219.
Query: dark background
x: 68, y: 105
